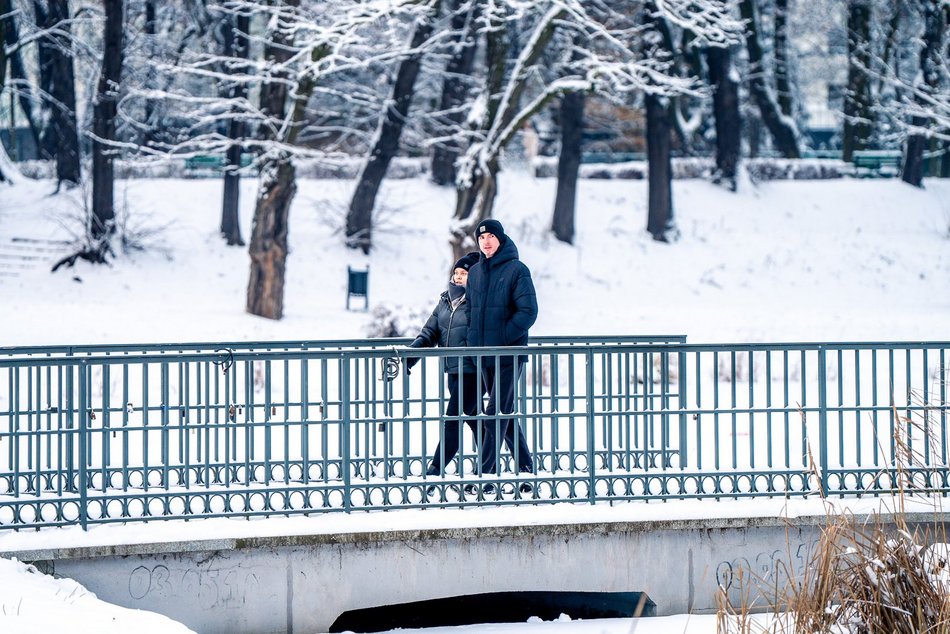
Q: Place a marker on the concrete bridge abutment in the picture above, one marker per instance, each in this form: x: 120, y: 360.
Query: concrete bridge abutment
x: 300, y: 583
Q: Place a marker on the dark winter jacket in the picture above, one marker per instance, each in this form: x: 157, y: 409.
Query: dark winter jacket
x: 447, y: 328
x: 502, y: 304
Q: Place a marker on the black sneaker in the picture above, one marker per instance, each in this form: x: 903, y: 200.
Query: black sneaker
x: 526, y: 488
x: 431, y: 491
x: 472, y: 489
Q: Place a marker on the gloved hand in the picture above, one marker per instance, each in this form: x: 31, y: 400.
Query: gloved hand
x: 410, y: 362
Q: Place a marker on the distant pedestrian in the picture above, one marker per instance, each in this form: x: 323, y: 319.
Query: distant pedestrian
x: 502, y: 306
x: 447, y: 326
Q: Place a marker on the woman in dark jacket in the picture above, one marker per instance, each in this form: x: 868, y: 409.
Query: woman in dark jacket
x: 448, y: 327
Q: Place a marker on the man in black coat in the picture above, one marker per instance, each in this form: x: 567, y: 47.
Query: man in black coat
x: 502, y: 306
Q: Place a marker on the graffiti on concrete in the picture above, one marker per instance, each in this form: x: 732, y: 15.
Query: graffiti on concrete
x: 768, y: 570
x: 219, y: 587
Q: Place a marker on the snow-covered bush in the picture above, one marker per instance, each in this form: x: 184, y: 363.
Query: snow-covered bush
x: 395, y: 321
x: 349, y: 167
x: 759, y: 169
x: 37, y: 170
x: 771, y: 169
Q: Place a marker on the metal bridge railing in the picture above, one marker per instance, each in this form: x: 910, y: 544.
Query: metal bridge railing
x: 278, y: 346
x: 114, y: 434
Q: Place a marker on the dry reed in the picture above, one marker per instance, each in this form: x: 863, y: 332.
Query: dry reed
x: 862, y: 578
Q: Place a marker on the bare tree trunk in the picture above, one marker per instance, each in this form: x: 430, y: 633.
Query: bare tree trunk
x: 104, y: 114
x: 660, y: 222
x: 912, y: 169
x: 857, y: 99
x: 273, y: 95
x: 6, y: 167
x: 935, y: 25
x: 473, y: 204
x: 727, y: 115
x: 780, y: 127
x: 61, y: 135
x: 44, y: 48
x: 359, y: 219
x: 150, y: 134
x: 753, y: 124
x: 457, y: 70
x: 659, y: 133
x: 684, y: 60
x: 783, y: 88
x: 568, y: 165
x: 4, y: 10
x: 945, y: 160
x: 236, y: 44
x: 8, y: 173
x: 890, y: 44
x: 268, y: 250
x: 18, y: 74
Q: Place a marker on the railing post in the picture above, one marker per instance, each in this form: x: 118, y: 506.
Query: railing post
x: 681, y: 378
x: 345, y: 428
x: 822, y: 420
x: 591, y: 468
x: 83, y: 444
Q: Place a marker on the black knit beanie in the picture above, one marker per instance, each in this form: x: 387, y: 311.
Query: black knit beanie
x: 491, y: 226
x: 466, y: 261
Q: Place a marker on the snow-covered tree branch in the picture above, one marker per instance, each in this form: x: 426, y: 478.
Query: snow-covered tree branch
x: 608, y: 61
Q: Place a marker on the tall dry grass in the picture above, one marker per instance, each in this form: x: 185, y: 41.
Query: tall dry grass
x: 863, y: 577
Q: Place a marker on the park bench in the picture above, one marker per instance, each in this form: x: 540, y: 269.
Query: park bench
x: 876, y: 163
x: 211, y: 164
x: 611, y: 157
x: 822, y: 154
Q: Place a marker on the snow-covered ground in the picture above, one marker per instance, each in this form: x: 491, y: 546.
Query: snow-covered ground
x: 34, y: 603
x: 787, y: 260
x: 781, y: 261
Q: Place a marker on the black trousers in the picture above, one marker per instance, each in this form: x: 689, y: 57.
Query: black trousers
x: 499, y: 382
x: 467, y: 391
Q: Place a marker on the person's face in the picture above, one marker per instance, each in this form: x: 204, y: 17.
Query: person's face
x: 460, y: 276
x: 488, y: 244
